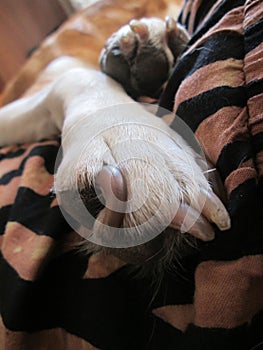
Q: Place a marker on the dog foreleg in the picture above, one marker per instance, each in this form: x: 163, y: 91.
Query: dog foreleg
x: 26, y: 120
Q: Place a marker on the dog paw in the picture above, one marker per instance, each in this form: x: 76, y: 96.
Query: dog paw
x: 140, y: 55
x: 136, y: 179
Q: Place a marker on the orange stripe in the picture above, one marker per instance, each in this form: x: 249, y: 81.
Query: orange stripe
x: 226, y: 125
x: 25, y: 251
x: 101, y: 265
x: 12, y: 148
x: 8, y: 192
x: 259, y: 161
x: 221, y: 73
x: 228, y: 294
x: 10, y: 164
x: 187, y: 10
x: 36, y: 177
x: 178, y: 316
x: 54, y: 203
x: 51, y: 339
x: 255, y: 114
x: 254, y: 63
x: 239, y: 176
x: 233, y: 21
x: 253, y: 12
x: 211, y: 11
x: 193, y: 13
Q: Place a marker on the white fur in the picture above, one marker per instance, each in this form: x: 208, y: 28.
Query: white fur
x: 101, y: 125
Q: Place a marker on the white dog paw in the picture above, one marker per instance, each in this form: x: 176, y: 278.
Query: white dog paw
x: 136, y: 180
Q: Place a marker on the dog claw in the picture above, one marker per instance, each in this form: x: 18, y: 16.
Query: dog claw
x: 113, y: 187
x: 188, y: 219
x: 170, y: 24
x: 214, y: 210
x: 127, y: 39
x: 127, y: 42
x: 139, y: 28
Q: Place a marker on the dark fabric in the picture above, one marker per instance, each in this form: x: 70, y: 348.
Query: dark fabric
x: 213, y: 299
x: 216, y: 88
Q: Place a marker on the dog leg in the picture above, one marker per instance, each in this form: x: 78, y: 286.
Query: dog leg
x: 107, y: 137
x: 34, y: 118
x: 26, y: 120
x: 104, y: 126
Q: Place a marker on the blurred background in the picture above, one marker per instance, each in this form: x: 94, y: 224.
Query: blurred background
x: 24, y: 24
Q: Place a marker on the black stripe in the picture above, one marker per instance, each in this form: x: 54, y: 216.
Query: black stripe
x: 106, y: 312
x: 212, y: 50
x: 245, y: 198
x: 222, y: 10
x: 254, y: 88
x: 232, y: 156
x: 164, y: 336
x: 198, y: 108
x: 183, y: 14
x: 182, y: 276
x: 6, y: 178
x: 235, y: 338
x: 187, y: 20
x: 257, y: 142
x: 256, y: 327
x: 11, y: 155
x: 202, y: 11
x: 245, y: 206
x: 4, y: 215
x: 47, y: 152
x: 253, y: 35
x: 33, y: 211
x: 179, y: 18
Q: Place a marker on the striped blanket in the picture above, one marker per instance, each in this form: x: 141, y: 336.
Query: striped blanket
x: 52, y: 297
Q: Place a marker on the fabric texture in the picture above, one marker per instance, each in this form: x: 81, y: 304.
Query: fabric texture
x: 52, y: 297
x: 217, y: 89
